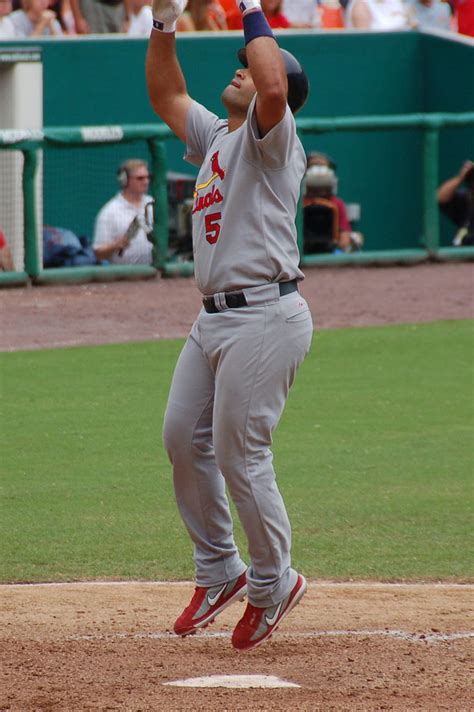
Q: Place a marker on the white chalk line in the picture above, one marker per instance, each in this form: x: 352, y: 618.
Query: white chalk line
x: 431, y: 637
x: 311, y: 584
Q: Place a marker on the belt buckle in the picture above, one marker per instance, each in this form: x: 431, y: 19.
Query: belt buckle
x: 209, y: 304
x: 234, y: 300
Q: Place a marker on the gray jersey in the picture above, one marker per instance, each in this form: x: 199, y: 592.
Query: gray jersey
x: 245, y: 201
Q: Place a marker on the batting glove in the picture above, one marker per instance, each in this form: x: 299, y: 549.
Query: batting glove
x: 246, y: 6
x: 165, y: 14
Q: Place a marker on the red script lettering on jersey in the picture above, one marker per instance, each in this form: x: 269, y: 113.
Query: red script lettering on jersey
x: 205, y: 201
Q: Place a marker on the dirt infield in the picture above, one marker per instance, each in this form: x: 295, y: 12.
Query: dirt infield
x: 349, y: 647
x: 67, y: 315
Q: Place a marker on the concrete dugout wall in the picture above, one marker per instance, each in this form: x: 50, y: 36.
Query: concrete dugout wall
x: 96, y: 81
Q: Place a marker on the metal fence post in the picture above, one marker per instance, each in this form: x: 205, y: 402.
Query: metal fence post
x: 30, y: 165
x: 430, y: 186
x: 159, y: 191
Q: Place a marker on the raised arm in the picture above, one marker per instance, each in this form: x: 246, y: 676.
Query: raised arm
x: 165, y: 80
x: 447, y: 189
x: 266, y: 66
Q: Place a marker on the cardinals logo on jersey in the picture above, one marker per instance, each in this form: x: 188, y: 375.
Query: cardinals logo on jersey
x: 216, y: 169
x: 214, y: 195
x: 204, y: 198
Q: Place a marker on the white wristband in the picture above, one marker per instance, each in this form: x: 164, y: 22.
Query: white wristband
x: 161, y: 26
x: 246, y: 6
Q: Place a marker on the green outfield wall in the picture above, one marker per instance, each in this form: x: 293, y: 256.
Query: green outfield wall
x: 97, y: 81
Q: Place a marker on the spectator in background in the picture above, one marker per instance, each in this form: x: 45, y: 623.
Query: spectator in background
x: 378, y: 15
x: 431, y: 14
x: 63, y: 11
x: 140, y: 18
x: 7, y: 28
x: 464, y: 10
x: 301, y: 13
x: 456, y: 200
x: 123, y: 225
x: 6, y: 259
x: 232, y: 13
x: 320, y: 187
x: 99, y: 16
x: 35, y: 19
x: 331, y: 15
x: 202, y: 15
x: 272, y: 10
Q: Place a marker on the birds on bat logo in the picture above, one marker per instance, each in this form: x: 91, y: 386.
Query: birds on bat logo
x: 214, y: 195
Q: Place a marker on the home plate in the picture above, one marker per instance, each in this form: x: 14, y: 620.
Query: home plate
x: 237, y: 681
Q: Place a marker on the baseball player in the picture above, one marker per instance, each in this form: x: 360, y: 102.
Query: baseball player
x: 253, y: 331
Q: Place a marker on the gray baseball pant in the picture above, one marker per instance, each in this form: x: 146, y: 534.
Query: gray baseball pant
x: 227, y: 395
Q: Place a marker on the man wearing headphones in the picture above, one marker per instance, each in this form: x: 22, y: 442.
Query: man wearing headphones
x: 123, y: 225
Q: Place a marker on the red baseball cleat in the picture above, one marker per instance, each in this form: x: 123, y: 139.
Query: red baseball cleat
x: 207, y: 603
x: 258, y: 624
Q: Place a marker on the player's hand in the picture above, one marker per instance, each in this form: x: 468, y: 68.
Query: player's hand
x: 165, y: 14
x: 246, y: 6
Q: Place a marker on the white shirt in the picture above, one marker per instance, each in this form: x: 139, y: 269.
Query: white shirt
x: 141, y: 23
x: 7, y: 29
x: 386, y: 14
x: 436, y: 16
x: 113, y: 221
x: 24, y: 27
x: 301, y: 12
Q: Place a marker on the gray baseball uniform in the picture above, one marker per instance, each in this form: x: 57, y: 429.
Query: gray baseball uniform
x: 233, y: 375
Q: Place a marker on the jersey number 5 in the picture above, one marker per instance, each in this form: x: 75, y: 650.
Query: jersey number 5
x: 213, y: 227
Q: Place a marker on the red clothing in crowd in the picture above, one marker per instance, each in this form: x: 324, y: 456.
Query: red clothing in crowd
x: 465, y: 15
x: 234, y: 17
x: 344, y: 224
x: 233, y: 14
x: 278, y: 21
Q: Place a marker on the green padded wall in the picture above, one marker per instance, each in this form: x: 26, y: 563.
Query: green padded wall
x: 101, y: 81
x: 448, y: 73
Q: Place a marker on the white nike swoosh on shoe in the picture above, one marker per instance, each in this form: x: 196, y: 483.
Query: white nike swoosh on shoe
x: 212, y: 600
x: 272, y: 619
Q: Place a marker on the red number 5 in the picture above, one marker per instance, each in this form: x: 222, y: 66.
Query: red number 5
x: 212, y: 227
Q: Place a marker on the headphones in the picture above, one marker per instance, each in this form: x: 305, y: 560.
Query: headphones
x: 122, y: 176
x: 325, y: 156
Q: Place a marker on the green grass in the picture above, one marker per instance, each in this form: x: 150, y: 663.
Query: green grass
x: 374, y: 456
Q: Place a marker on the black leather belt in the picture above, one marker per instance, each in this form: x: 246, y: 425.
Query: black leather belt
x: 235, y: 300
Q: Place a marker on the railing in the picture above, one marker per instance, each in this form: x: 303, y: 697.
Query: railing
x: 430, y: 124
x: 29, y: 142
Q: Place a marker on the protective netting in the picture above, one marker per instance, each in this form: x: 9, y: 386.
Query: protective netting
x: 11, y: 205
x: 78, y: 181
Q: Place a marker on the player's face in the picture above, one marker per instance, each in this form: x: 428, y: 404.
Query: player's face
x: 239, y: 93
